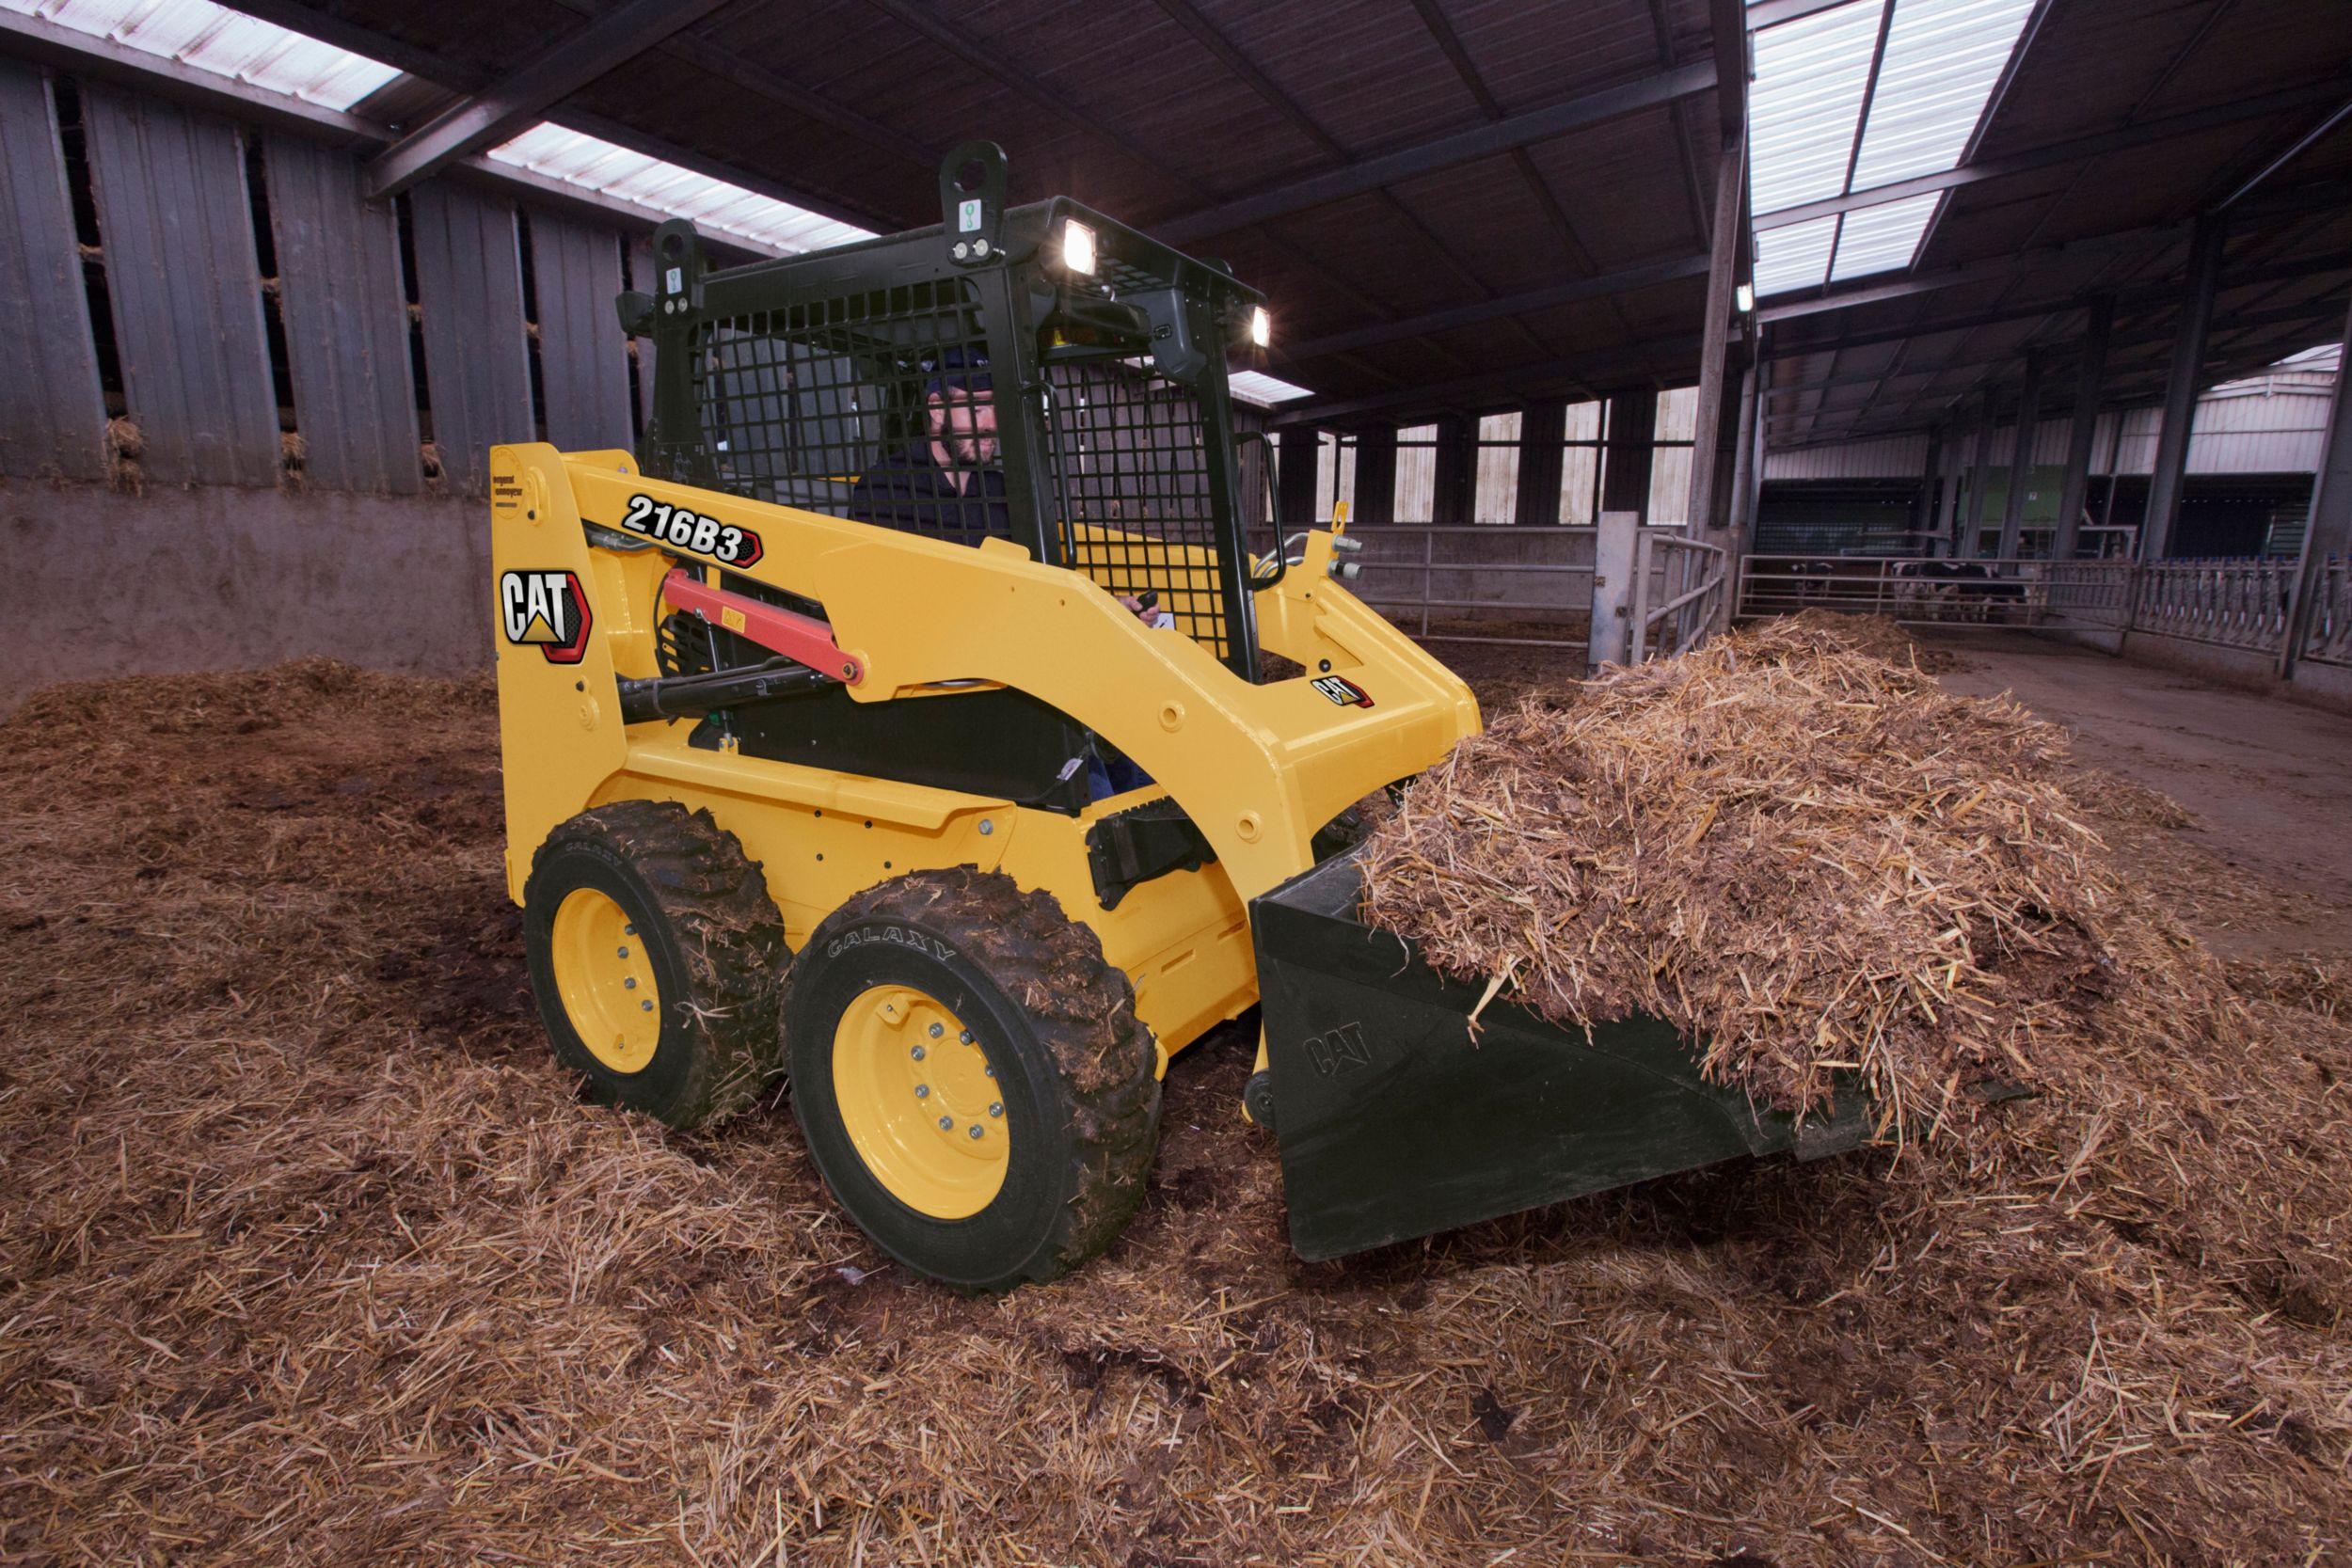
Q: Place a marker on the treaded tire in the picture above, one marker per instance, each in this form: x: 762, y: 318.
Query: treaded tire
x: 711, y: 933
x: 1075, y: 1068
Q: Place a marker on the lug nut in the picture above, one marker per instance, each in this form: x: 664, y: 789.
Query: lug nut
x: 945, y: 1122
x: 938, y: 1030
x: 965, y: 1037
x: 646, y: 1005
x: 918, y: 1053
x: 628, y: 930
x: 990, y: 1070
x: 976, y: 1129
x: 997, y: 1109
x: 624, y: 952
x: 922, y: 1092
x: 630, y: 984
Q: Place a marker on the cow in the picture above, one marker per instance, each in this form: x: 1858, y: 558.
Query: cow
x: 1952, y: 591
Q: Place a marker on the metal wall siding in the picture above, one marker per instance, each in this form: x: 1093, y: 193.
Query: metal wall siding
x: 52, y: 413
x: 346, y: 327
x: 477, y: 367
x: 583, y: 364
x: 178, y: 235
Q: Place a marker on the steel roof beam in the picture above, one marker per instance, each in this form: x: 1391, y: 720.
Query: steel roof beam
x: 1601, y: 287
x: 484, y: 118
x: 1615, y: 366
x: 1368, y: 174
x: 2057, y: 152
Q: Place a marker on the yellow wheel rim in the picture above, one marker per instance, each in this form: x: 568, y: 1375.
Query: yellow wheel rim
x: 920, y: 1103
x: 606, y: 981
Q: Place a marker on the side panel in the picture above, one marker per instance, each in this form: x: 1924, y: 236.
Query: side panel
x: 584, y: 356
x: 470, y: 287
x: 181, y: 270
x: 51, y: 415
x: 346, y: 322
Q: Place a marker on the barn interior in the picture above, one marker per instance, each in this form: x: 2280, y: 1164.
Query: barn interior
x: 1608, y: 335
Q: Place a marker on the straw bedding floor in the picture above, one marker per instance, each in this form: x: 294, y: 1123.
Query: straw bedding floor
x: 308, y: 1254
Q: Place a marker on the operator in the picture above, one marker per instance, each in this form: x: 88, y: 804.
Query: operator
x: 949, y: 486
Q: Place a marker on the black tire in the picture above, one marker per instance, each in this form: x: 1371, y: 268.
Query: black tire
x: 712, y: 937
x: 1075, y: 1070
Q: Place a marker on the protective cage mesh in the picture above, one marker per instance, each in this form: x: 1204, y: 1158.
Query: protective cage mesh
x: 828, y: 406
x: 1129, y: 466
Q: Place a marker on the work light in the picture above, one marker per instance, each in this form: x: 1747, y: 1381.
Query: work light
x: 1260, y: 327
x: 1077, y: 248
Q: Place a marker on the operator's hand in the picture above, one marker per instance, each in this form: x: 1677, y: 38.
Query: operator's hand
x: 1148, y: 614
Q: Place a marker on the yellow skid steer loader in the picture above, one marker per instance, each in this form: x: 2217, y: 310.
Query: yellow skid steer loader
x: 902, y: 721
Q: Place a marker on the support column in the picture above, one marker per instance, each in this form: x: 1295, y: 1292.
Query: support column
x: 2021, y: 461
x: 1376, y: 474
x: 1542, y: 428
x: 1971, y: 535
x: 2329, y: 532
x: 1741, y: 518
x: 1949, y: 514
x: 1625, y: 460
x: 2077, y: 491
x: 1456, y: 485
x: 1721, y: 278
x: 1609, y: 637
x: 1295, y: 481
x: 2179, y: 392
x: 1924, y: 512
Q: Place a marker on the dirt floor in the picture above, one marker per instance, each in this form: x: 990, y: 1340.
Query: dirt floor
x: 2268, y: 783
x: 311, y: 1254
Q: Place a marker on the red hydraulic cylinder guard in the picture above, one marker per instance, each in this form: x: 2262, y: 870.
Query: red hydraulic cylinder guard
x: 799, y: 637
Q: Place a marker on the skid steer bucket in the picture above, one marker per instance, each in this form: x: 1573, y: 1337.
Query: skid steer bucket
x: 1395, y: 1121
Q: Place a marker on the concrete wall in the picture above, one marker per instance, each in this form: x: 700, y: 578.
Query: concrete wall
x: 2324, y: 685
x: 209, y: 578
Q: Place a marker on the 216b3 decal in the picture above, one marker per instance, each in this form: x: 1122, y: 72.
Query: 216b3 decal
x: 544, y: 610
x: 684, y: 529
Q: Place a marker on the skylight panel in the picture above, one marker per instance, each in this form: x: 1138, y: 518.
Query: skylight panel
x: 1807, y: 104
x: 1942, y: 58
x: 226, y: 44
x: 1796, y: 257
x: 716, y: 205
x: 1883, y: 238
x: 1263, y: 389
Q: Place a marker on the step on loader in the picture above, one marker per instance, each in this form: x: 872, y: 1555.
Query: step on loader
x: 909, y: 719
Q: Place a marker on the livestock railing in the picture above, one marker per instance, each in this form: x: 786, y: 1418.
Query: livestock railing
x: 1928, y: 590
x: 1477, y: 583
x: 1679, y: 588
x: 2227, y: 604
x: 2329, y: 640
x: 2231, y: 603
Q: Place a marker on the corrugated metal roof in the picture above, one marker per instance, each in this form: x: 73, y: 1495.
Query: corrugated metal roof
x: 1942, y: 59
x: 1810, y: 76
x: 1263, y: 389
x: 1878, y: 239
x: 1824, y: 128
x: 1794, y: 257
x: 579, y: 159
x: 228, y: 44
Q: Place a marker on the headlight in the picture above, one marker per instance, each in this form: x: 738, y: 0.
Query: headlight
x: 1260, y: 327
x: 1077, y: 248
